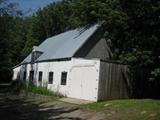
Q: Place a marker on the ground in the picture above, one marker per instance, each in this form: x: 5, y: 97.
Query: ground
x: 19, y: 108
x: 13, y: 107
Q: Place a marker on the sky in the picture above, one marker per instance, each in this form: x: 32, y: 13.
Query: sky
x: 33, y: 5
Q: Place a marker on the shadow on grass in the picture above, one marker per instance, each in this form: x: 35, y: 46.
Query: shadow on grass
x: 15, y: 108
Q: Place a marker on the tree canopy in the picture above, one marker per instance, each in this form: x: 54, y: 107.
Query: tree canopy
x: 133, y: 26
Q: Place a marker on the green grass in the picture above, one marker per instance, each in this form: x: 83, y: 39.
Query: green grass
x: 19, y: 85
x: 132, y: 109
x: 40, y: 90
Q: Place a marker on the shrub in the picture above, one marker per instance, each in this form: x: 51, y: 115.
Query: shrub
x: 156, y: 72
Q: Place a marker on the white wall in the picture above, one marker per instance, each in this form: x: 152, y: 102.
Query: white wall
x: 16, y: 72
x: 56, y: 68
x: 82, y: 77
x: 19, y: 72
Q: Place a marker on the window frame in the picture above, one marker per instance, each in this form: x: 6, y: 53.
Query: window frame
x: 31, y: 75
x: 64, y: 78
x: 40, y: 76
x: 50, y: 78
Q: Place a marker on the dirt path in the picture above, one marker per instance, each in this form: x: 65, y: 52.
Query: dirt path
x: 18, y: 108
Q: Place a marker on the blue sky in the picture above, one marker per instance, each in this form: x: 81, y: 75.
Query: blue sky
x: 32, y: 5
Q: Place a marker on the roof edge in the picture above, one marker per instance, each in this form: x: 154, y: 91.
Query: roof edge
x: 98, y: 26
x: 49, y: 60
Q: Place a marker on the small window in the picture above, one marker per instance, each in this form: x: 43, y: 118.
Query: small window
x: 24, y: 75
x: 31, y: 76
x: 40, y: 76
x: 64, y: 78
x: 50, y: 79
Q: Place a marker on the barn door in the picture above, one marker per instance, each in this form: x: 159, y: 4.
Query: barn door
x: 88, y: 83
x: 83, y: 82
x: 76, y: 83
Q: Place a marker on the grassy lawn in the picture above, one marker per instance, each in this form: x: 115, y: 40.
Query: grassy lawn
x: 132, y: 109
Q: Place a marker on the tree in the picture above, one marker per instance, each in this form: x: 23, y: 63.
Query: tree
x: 8, y: 15
x: 133, y: 26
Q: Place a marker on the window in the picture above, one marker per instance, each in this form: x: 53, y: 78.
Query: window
x: 40, y: 76
x: 63, y: 78
x: 50, y: 79
x: 35, y: 55
x: 24, y: 75
x: 31, y: 76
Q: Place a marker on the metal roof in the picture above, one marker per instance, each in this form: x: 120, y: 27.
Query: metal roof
x: 64, y: 45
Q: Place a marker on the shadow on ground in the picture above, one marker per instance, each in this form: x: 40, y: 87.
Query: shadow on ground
x: 15, y: 108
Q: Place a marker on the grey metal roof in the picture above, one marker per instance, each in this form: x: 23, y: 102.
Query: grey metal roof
x: 64, y: 45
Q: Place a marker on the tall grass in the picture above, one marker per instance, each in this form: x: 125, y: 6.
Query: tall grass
x: 19, y: 85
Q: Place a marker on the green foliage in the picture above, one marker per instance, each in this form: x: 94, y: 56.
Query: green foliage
x: 8, y: 15
x: 51, y: 20
x: 156, y: 72
x: 40, y: 90
x: 19, y: 85
x: 137, y: 58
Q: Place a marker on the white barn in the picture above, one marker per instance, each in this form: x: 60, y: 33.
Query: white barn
x: 76, y: 64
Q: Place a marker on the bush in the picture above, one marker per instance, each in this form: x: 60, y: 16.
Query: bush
x: 137, y: 58
x: 17, y: 86
x: 156, y: 72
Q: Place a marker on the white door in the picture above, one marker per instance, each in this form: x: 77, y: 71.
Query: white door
x: 76, y: 85
x: 83, y: 82
x: 89, y: 83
